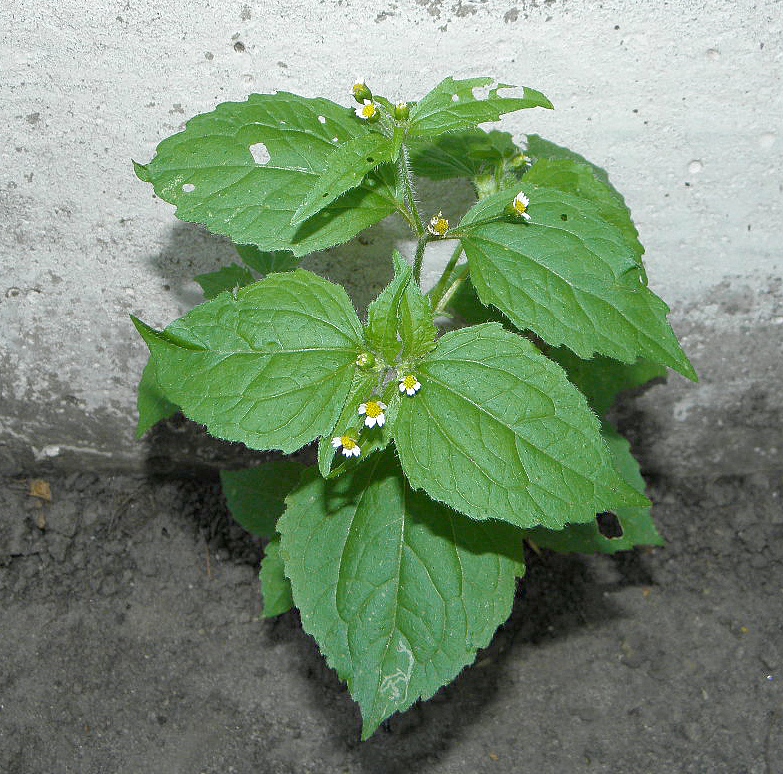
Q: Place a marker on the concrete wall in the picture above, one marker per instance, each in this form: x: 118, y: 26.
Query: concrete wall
x: 681, y: 102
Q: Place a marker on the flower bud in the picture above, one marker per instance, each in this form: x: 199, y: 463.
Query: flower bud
x: 361, y: 93
x: 401, y: 111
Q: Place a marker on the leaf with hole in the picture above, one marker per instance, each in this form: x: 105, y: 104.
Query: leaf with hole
x: 244, y: 169
x: 398, y: 591
x: 637, y: 527
x: 569, y: 276
x: 455, y: 104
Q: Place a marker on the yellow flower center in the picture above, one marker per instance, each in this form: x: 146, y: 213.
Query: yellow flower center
x: 368, y: 110
x: 373, y: 409
x: 410, y: 381
x: 348, y: 443
x: 520, y: 206
x: 439, y: 225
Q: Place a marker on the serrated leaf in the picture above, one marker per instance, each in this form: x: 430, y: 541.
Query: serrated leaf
x: 256, y: 496
x: 398, y: 591
x: 469, y: 153
x: 345, y: 169
x: 568, y: 276
x: 638, y: 528
x: 267, y: 262
x: 452, y: 105
x: 227, y: 278
x: 581, y: 180
x: 275, y: 587
x: 209, y: 172
x: 152, y: 404
x: 270, y: 368
x: 602, y: 379
x: 498, y: 432
x: 382, y: 314
x: 416, y: 323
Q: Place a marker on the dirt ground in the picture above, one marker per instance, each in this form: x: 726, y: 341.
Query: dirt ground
x: 130, y: 641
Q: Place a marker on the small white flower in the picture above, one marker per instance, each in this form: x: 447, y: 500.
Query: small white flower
x: 438, y: 225
x: 410, y: 385
x: 366, y: 110
x: 372, y: 411
x: 520, y: 205
x: 348, y: 444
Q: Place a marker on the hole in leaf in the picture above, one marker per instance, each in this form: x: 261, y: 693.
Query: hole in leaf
x: 609, y: 525
x: 321, y: 119
x: 455, y: 97
x: 188, y: 187
x: 370, y: 160
x: 563, y: 216
x: 334, y: 139
x: 481, y: 92
x: 259, y: 153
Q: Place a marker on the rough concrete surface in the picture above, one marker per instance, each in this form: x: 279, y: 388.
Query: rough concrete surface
x: 680, y: 102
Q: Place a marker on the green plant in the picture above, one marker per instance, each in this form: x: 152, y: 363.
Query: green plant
x: 439, y: 454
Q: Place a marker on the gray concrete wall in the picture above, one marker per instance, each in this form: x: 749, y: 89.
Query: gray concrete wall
x: 680, y: 101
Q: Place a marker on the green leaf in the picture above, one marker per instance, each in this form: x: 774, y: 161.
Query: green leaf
x: 398, y: 591
x: 346, y: 168
x: 602, y: 379
x: 266, y: 262
x: 275, y: 587
x: 227, y: 278
x: 270, y: 368
x: 469, y: 153
x: 416, y: 324
x: 498, y: 432
x: 382, y: 314
x: 256, y: 496
x: 209, y: 172
x: 452, y: 105
x: 583, y: 181
x: 568, y: 276
x: 152, y: 404
x: 638, y: 528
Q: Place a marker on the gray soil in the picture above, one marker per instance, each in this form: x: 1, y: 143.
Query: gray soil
x: 130, y: 641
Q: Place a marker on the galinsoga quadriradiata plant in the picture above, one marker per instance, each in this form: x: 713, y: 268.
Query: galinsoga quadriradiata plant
x: 439, y: 454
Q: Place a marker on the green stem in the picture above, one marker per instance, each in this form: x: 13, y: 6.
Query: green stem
x: 410, y: 199
x: 440, y: 287
x: 460, y: 274
x: 419, y: 259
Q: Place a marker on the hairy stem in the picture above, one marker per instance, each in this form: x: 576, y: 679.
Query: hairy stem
x: 419, y: 259
x: 410, y: 198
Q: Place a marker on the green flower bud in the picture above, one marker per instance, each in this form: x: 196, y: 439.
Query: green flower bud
x: 361, y: 92
x: 401, y: 111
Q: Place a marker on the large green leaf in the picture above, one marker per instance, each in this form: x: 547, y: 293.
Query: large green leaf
x: 270, y: 368
x: 229, y: 278
x: 275, y: 587
x: 498, y: 432
x: 638, y: 528
x: 398, y: 591
x: 453, y: 105
x: 462, y: 154
x: 569, y: 276
x: 256, y: 496
x: 346, y: 168
x: 602, y: 379
x: 152, y: 404
x: 210, y: 173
